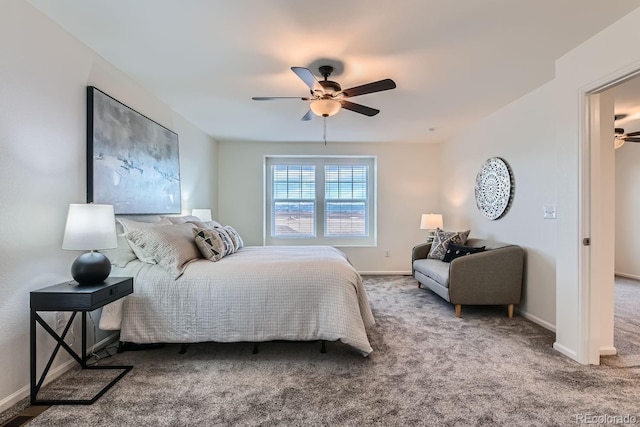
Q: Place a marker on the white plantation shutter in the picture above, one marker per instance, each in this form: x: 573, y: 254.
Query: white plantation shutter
x: 345, y: 200
x: 320, y: 200
x: 293, y: 206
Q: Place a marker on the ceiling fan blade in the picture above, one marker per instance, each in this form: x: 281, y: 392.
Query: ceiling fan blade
x: 362, y: 109
x: 308, y: 116
x: 273, y: 98
x: 378, y: 86
x: 632, y: 139
x: 633, y: 134
x: 307, y: 77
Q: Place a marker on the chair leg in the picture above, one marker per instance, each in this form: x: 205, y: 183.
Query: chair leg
x: 458, y: 310
x: 510, y: 309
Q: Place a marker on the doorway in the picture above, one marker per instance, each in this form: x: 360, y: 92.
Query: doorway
x: 606, y: 215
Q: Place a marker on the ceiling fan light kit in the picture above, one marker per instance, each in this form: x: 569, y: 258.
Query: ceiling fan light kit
x: 621, y: 137
x: 327, y: 97
x: 325, y: 107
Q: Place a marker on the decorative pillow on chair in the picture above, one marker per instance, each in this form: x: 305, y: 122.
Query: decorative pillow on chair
x: 456, y: 251
x: 442, y: 239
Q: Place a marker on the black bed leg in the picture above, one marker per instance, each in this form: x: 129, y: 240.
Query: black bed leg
x: 120, y: 347
x: 323, y: 348
x: 255, y: 348
x: 183, y: 348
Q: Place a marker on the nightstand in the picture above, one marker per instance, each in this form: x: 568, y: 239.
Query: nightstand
x: 69, y: 296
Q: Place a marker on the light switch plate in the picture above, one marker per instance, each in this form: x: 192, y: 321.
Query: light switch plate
x: 549, y: 212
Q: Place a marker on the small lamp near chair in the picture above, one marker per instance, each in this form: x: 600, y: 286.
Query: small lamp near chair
x: 90, y: 227
x: 431, y: 222
x: 203, y: 214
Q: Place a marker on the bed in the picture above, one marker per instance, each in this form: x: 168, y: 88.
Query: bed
x: 256, y: 294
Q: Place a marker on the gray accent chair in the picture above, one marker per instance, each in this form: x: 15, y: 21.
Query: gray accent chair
x: 492, y: 277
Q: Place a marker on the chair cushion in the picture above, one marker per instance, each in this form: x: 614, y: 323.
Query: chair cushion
x: 434, y: 269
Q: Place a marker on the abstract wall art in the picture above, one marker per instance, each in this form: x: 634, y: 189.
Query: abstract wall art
x: 132, y: 161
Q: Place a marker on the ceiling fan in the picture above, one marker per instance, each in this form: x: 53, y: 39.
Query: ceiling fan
x: 621, y: 137
x: 327, y: 97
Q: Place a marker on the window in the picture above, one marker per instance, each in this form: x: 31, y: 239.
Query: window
x: 320, y: 200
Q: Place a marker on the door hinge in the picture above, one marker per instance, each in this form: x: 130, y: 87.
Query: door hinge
x: 586, y: 241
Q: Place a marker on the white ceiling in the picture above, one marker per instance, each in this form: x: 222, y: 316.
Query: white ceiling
x: 454, y: 61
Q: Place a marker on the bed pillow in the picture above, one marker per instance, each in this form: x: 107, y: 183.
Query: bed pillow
x: 181, y: 219
x: 122, y: 255
x: 456, y: 251
x: 172, y: 246
x: 442, y: 239
x: 210, y: 243
x: 238, y: 243
x: 130, y: 225
x: 228, y: 240
x: 206, y: 224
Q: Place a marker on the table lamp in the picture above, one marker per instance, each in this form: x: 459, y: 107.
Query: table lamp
x: 431, y: 222
x: 90, y: 227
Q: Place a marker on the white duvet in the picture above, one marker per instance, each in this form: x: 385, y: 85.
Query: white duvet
x: 260, y: 293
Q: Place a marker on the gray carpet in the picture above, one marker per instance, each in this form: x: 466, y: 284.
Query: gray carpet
x: 428, y: 368
x: 626, y: 336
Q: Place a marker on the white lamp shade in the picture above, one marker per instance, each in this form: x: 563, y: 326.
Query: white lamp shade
x: 90, y: 227
x: 431, y: 221
x: 325, y: 107
x: 203, y: 214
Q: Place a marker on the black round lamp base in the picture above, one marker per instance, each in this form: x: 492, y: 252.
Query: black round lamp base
x: 90, y: 268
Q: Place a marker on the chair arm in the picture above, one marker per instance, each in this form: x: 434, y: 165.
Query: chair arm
x: 419, y: 252
x: 489, y: 277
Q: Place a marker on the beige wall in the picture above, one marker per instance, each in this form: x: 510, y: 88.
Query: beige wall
x: 408, y: 185
x: 522, y: 134
x: 43, y: 76
x: 628, y: 210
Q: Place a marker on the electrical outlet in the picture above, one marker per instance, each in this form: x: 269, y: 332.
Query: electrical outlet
x: 387, y: 254
x: 60, y: 323
x: 549, y: 212
x: 61, y: 319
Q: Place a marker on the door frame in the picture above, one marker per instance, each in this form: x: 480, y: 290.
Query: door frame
x: 590, y: 305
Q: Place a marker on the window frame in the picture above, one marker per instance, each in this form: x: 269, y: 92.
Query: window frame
x: 320, y: 188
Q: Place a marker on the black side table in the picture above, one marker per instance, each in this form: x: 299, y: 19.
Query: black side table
x: 69, y: 296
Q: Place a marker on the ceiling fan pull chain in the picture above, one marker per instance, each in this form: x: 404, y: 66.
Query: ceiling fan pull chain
x: 325, y: 130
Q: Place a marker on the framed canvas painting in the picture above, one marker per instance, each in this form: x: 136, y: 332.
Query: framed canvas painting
x: 132, y: 161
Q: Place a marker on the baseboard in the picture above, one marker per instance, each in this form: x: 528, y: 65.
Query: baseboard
x: 537, y: 320
x: 608, y: 351
x: 565, y: 350
x: 628, y: 276
x: 53, y: 374
x: 25, y: 391
x: 385, y: 273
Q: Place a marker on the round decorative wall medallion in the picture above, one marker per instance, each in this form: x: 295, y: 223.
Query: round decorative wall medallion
x: 493, y: 188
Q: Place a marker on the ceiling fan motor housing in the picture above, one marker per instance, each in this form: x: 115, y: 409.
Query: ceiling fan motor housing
x: 330, y: 87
